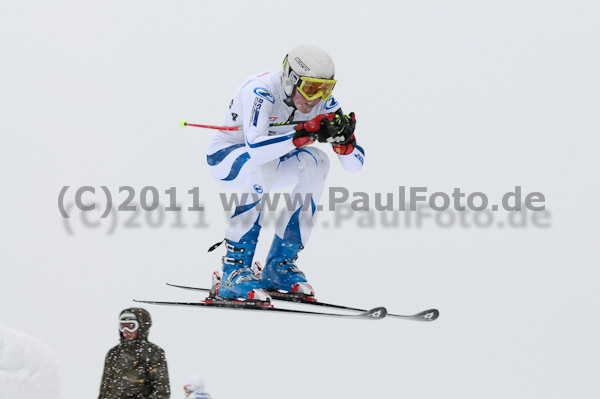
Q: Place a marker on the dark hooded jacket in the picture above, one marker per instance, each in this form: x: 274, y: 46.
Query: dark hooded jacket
x: 136, y: 369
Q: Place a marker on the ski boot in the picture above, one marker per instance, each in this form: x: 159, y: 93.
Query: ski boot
x: 238, y: 281
x: 281, y: 274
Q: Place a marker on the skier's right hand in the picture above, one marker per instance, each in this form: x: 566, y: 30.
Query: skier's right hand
x: 321, y: 128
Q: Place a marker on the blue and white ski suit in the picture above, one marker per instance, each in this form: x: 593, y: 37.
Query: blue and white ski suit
x: 260, y: 158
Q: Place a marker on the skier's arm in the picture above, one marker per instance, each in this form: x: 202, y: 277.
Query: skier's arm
x: 158, y: 375
x: 257, y: 110
x: 354, y: 161
x: 350, y: 154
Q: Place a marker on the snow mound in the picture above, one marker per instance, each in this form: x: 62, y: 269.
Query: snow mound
x: 27, y: 367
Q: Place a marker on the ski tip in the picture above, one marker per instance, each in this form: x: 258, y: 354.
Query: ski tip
x: 427, y: 315
x: 375, y: 313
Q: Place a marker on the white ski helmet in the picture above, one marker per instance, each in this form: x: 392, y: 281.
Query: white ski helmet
x: 305, y: 60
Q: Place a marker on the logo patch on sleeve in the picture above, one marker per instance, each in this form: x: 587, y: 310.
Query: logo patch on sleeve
x: 264, y: 93
x: 258, y: 102
x: 331, y: 103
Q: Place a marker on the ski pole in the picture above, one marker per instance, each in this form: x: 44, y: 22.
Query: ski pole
x: 184, y: 123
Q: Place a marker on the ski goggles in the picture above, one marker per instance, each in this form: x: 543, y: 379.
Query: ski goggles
x: 313, y: 88
x: 128, y: 325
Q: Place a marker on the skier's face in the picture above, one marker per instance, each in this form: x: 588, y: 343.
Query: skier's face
x: 302, y: 104
x: 129, y: 335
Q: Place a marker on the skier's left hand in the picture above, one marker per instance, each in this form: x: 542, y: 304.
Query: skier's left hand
x: 347, y: 148
x: 346, y: 139
x: 345, y: 125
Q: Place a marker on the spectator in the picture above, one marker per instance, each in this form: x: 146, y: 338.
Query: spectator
x: 136, y: 368
x: 194, y: 388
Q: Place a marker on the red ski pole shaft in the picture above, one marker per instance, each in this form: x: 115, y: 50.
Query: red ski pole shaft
x: 183, y: 123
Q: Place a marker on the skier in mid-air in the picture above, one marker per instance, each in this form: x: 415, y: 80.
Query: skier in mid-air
x: 261, y: 158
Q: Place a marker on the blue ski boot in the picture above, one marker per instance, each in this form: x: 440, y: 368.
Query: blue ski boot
x: 239, y: 281
x: 281, y: 273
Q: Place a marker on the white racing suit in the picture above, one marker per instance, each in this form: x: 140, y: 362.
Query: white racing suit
x: 260, y: 158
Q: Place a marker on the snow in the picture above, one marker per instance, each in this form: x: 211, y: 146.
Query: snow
x: 28, y: 368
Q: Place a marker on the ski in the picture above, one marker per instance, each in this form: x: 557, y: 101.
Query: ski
x: 426, y: 315
x: 372, y: 314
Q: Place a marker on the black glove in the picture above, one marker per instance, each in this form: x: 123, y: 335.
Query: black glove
x: 328, y: 130
x: 321, y: 128
x: 345, y: 125
x: 346, y: 141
